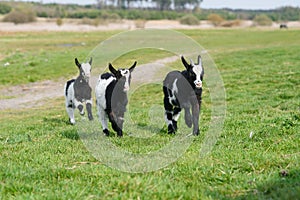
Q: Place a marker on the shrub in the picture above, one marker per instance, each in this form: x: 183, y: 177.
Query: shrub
x: 215, y: 19
x: 262, y: 20
x: 4, y: 9
x: 114, y: 17
x: 140, y: 23
x: 59, y: 21
x: 20, y: 16
x: 110, y: 17
x: 189, y: 20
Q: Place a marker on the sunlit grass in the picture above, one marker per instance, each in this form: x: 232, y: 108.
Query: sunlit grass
x: 43, y: 157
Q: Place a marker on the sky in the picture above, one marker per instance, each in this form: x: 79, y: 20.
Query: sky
x: 234, y: 4
x: 249, y: 4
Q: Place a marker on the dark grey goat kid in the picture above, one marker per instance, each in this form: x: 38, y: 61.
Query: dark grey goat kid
x: 183, y: 90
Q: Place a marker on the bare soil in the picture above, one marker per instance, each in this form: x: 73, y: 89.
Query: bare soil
x: 76, y: 25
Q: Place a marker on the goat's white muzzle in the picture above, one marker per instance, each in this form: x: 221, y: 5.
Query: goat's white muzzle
x: 126, y: 88
x: 198, y: 84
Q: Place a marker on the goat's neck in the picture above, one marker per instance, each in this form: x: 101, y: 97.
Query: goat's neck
x: 120, y: 89
x: 83, y: 79
x: 186, y: 76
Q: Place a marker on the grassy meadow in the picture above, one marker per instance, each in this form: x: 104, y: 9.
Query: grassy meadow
x: 43, y: 157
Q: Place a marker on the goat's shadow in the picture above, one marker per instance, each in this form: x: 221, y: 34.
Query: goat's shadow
x: 55, y: 121
x: 283, y: 185
x: 70, y: 134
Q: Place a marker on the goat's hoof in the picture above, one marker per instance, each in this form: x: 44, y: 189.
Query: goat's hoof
x: 171, y: 129
x: 106, y: 132
x: 72, y: 121
x: 91, y: 118
x: 119, y: 134
x: 174, y: 125
x: 196, y: 132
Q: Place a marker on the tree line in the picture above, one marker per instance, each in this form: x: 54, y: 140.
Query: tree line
x: 150, y: 4
x: 162, y: 11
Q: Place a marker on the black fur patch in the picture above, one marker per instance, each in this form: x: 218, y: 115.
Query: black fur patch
x: 68, y: 85
x: 106, y: 76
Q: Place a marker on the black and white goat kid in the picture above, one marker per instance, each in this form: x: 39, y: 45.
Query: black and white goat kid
x: 78, y: 91
x: 183, y: 90
x: 111, y: 97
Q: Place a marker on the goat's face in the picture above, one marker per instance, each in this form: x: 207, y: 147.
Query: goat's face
x: 123, y: 76
x: 85, y: 69
x: 195, y: 71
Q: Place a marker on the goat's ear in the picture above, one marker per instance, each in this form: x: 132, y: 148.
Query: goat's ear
x: 187, y: 66
x: 192, y: 62
x: 199, y: 60
x: 132, y: 67
x: 91, y: 60
x: 112, y: 69
x: 77, y: 63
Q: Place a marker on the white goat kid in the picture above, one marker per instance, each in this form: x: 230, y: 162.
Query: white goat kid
x: 78, y: 91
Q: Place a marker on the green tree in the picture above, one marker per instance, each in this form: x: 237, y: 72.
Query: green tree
x: 180, y: 4
x: 4, y: 9
x: 163, y: 4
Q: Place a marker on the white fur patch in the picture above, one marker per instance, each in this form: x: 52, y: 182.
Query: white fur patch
x: 174, y: 91
x: 168, y: 121
x: 86, y: 68
x: 70, y: 92
x: 197, y: 69
x: 176, y: 117
x: 126, y: 74
x: 100, y: 90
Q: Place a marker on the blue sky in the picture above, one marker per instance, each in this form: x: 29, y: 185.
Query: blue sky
x: 235, y: 4
x: 249, y: 4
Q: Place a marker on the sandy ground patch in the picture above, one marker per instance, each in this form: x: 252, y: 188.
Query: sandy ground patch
x: 75, y: 25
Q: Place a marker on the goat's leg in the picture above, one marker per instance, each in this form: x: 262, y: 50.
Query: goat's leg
x: 70, y: 111
x: 79, y: 106
x: 195, y: 113
x: 176, y: 115
x: 89, y: 109
x: 113, y: 119
x: 169, y: 115
x: 103, y: 119
x: 188, y: 117
x: 120, y: 120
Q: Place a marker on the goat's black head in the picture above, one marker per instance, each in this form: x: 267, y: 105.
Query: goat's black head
x: 195, y: 71
x: 123, y: 76
x: 84, y: 68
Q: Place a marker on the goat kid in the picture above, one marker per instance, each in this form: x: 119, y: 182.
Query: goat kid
x: 78, y: 91
x: 111, y: 97
x: 183, y: 90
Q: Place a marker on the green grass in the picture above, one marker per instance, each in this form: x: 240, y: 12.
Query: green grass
x: 42, y: 157
x: 42, y: 56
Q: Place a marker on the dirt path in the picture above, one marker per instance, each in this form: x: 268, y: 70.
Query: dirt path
x: 34, y: 94
x: 76, y: 25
